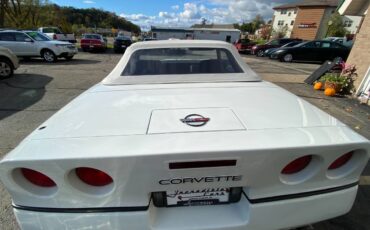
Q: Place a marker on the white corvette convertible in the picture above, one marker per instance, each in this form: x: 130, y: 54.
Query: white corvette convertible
x: 184, y: 135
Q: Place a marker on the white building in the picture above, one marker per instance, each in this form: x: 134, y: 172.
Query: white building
x: 352, y: 23
x: 284, y: 18
x: 228, y: 35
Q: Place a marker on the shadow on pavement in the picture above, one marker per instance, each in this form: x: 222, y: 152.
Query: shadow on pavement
x: 20, y: 92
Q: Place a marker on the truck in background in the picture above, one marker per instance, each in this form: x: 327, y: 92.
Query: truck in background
x: 56, y: 34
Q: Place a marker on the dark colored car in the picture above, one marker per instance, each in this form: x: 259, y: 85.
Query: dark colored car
x: 121, y: 43
x: 244, y: 45
x: 93, y: 42
x: 268, y: 52
x: 149, y: 39
x: 312, y: 51
x: 259, y: 50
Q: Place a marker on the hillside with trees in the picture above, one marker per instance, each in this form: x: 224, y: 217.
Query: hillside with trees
x: 31, y: 14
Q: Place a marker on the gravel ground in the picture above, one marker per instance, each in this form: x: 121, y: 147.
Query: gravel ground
x: 39, y: 89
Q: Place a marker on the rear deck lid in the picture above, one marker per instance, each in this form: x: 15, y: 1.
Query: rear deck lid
x: 193, y: 120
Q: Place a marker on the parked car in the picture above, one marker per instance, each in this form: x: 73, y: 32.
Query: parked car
x: 259, y: 50
x: 92, y: 42
x: 184, y: 123
x: 121, y: 43
x: 55, y: 33
x: 268, y: 52
x: 341, y: 40
x: 244, y: 45
x: 36, y: 44
x: 8, y: 62
x: 312, y: 51
x: 149, y: 39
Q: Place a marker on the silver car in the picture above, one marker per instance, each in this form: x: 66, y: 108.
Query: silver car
x: 36, y: 44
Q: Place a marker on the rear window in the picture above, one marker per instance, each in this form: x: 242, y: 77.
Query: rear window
x: 92, y: 36
x: 168, y: 61
x: 51, y: 30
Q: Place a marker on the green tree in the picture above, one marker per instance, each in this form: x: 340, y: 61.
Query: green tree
x: 336, y: 27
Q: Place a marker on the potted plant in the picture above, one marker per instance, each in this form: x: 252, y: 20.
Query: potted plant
x: 342, y: 82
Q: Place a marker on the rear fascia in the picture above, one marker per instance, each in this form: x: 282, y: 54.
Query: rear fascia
x: 137, y: 164
x: 238, y: 216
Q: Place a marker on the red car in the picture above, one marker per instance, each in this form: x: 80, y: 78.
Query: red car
x: 92, y: 42
x: 244, y: 45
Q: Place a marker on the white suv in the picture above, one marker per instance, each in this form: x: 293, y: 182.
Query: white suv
x: 8, y: 63
x: 35, y: 44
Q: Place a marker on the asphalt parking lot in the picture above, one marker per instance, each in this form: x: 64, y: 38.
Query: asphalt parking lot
x: 39, y: 89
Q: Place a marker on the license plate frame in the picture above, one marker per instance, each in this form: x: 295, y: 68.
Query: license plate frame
x: 198, y: 197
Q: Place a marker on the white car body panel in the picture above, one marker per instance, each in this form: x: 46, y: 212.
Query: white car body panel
x: 133, y: 132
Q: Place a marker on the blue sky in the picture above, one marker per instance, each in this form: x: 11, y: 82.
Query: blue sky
x: 181, y: 12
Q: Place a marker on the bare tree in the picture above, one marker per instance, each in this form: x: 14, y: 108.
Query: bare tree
x: 23, y: 13
x: 281, y: 31
x: 2, y: 12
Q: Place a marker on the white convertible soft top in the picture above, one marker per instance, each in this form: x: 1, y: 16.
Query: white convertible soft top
x: 116, y: 78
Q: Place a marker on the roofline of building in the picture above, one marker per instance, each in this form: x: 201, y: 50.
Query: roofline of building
x: 174, y: 29
x: 303, y: 4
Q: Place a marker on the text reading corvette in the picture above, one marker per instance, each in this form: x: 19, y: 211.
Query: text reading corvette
x: 209, y: 179
x: 179, y: 124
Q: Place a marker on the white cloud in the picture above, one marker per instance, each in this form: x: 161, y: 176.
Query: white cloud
x: 190, y: 11
x: 166, y: 15
x: 175, y: 7
x: 137, y: 17
x: 215, y: 11
x: 88, y: 2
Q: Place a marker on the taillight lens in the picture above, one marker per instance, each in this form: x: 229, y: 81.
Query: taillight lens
x: 339, y: 162
x: 297, y: 165
x: 37, y: 178
x: 93, y: 177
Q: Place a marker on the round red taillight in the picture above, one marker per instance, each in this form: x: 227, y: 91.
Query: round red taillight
x: 342, y: 160
x: 37, y: 178
x: 93, y: 177
x: 297, y: 165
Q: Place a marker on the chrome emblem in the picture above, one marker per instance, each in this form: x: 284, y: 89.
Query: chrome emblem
x: 195, y: 120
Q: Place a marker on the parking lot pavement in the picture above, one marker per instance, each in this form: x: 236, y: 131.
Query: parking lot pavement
x: 36, y: 92
x: 39, y: 89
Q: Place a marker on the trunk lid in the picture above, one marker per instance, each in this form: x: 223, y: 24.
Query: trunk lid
x: 138, y: 110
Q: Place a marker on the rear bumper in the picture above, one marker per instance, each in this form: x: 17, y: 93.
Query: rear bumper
x: 243, y: 215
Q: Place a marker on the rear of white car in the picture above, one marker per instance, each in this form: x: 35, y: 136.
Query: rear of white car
x: 197, y: 155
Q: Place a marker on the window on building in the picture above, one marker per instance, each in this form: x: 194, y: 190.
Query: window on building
x: 295, y: 11
x: 283, y: 11
x: 348, y: 23
x: 290, y: 13
x: 292, y: 22
x: 280, y: 22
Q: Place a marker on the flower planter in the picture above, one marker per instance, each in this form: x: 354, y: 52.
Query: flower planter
x: 333, y: 85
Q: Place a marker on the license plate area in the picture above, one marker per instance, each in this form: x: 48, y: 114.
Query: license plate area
x: 197, y: 197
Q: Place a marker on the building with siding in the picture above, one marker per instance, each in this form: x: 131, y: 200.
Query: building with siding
x: 360, y: 53
x: 309, y: 19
